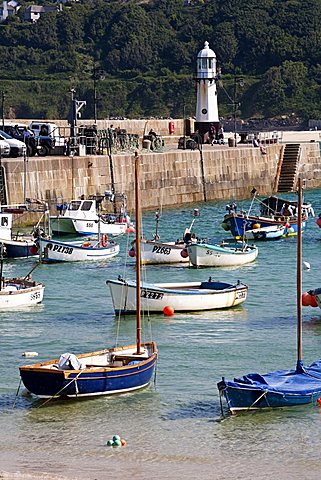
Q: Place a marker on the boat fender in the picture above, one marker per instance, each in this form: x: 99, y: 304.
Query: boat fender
x: 104, y: 240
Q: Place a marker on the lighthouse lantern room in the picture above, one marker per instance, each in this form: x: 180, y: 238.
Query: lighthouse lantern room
x: 206, y: 108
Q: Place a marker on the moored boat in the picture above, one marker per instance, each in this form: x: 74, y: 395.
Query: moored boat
x: 221, y: 255
x: 104, y: 372
x: 89, y: 250
x: 157, y: 252
x: 181, y: 296
x: 18, y: 244
x: 81, y: 217
x: 281, y: 388
x: 20, y: 292
x: 274, y: 212
x: 273, y: 232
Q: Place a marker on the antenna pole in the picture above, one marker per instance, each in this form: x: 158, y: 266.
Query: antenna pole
x: 137, y: 221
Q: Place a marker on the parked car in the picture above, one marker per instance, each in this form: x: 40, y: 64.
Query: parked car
x: 17, y: 148
x: 17, y: 131
x: 48, y: 129
x: 4, y: 148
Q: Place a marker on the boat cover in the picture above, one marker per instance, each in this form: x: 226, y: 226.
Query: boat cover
x: 302, y: 380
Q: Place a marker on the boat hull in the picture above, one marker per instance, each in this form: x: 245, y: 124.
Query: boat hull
x: 282, y: 388
x: 237, y: 223
x: 90, y: 227
x: 274, y: 232
x: 225, y: 255
x: 56, y: 251
x: 19, y: 248
x: 15, y: 297
x: 45, y: 381
x: 153, y: 252
x: 182, y: 297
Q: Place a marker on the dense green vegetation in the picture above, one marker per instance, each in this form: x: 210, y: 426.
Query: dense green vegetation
x: 147, y: 54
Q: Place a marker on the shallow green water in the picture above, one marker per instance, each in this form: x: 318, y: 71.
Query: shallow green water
x: 174, y: 428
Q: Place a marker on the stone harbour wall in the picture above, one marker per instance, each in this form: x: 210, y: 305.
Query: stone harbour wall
x: 166, y: 179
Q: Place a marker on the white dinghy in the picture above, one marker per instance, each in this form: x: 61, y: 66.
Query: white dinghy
x: 182, y: 296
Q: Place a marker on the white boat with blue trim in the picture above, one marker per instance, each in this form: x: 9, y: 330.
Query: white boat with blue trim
x: 182, y: 296
x: 88, y: 250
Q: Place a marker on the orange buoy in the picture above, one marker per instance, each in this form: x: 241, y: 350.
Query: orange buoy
x: 319, y: 401
x: 104, y: 240
x: 168, y: 311
x: 256, y: 226
x: 130, y: 229
x: 86, y: 244
x: 306, y: 299
x: 132, y: 252
x: 123, y: 442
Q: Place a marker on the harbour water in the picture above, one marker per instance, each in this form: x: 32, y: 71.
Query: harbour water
x: 174, y: 429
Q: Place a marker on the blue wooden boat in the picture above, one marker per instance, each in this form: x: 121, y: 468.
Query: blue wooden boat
x: 18, y: 244
x: 281, y: 388
x: 104, y: 372
x: 272, y: 213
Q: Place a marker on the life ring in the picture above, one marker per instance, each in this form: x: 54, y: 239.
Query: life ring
x: 104, y: 240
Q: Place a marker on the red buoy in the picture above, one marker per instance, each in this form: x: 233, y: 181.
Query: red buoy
x: 319, y: 401
x: 33, y: 250
x: 313, y: 301
x: 184, y: 253
x: 168, y: 311
x: 318, y: 222
x: 132, y: 252
x: 306, y: 299
x: 130, y: 229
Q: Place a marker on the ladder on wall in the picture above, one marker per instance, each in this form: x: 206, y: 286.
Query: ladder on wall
x: 289, y: 168
x: 3, y: 190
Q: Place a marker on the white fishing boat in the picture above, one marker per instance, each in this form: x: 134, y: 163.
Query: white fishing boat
x: 88, y: 250
x: 221, y: 255
x: 181, y: 296
x: 81, y: 217
x: 272, y: 232
x: 157, y: 252
x: 20, y: 292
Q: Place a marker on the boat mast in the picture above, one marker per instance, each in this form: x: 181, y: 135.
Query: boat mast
x: 137, y: 221
x: 299, y: 275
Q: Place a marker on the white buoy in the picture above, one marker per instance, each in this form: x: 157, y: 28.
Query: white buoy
x: 30, y: 354
x: 307, y: 266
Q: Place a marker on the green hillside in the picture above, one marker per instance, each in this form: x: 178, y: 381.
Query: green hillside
x: 142, y: 56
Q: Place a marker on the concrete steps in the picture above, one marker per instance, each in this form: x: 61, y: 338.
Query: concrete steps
x: 289, y: 168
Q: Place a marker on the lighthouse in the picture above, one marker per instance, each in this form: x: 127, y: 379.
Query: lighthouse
x: 206, y: 106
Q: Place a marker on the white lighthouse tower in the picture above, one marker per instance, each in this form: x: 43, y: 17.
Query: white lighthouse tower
x: 206, y: 106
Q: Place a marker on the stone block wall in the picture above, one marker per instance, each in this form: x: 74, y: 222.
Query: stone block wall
x: 166, y: 179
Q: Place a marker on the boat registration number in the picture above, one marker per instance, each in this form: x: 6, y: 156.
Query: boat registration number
x: 62, y: 249
x: 162, y: 250
x: 150, y: 294
x: 89, y: 225
x: 210, y: 252
x: 35, y: 296
x: 240, y: 295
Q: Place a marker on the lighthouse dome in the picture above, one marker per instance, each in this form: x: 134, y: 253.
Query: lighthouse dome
x: 206, y: 52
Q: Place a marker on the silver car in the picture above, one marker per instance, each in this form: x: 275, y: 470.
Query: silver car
x: 17, y: 148
x: 4, y: 149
